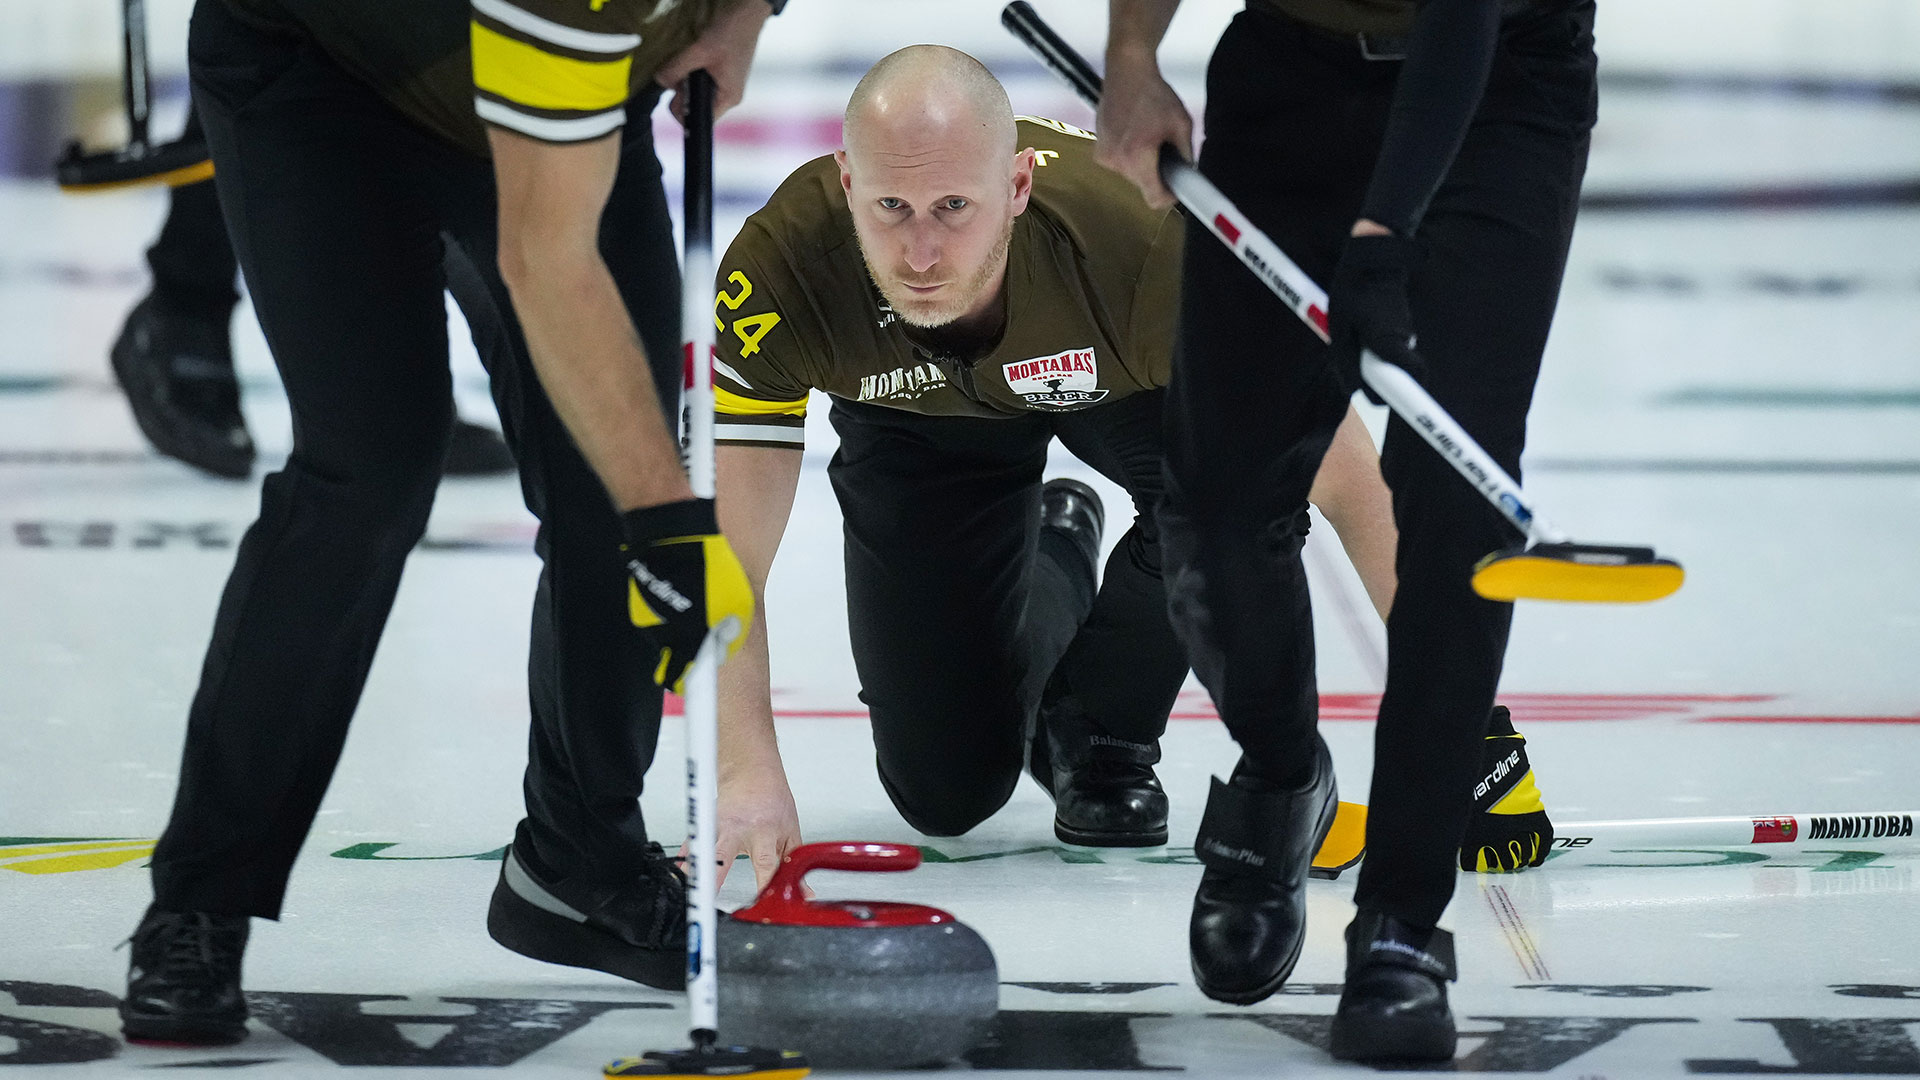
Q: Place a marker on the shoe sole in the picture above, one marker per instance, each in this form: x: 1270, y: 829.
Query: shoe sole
x: 1388, y: 1040
x: 542, y: 935
x: 1084, y: 838
x: 1266, y: 989
x: 173, y: 1031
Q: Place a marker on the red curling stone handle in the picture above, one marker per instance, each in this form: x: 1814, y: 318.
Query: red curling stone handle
x: 783, y: 902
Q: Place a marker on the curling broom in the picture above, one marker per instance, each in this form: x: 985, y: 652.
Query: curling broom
x: 1549, y: 564
x: 707, y: 1056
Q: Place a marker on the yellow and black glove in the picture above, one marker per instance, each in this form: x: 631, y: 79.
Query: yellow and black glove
x: 1509, y: 830
x: 683, y: 580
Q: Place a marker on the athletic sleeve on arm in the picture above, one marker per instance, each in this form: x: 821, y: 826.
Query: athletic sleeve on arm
x: 555, y: 70
x: 1441, y: 82
x: 760, y: 385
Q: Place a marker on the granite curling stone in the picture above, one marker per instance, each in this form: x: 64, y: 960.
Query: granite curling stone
x: 853, y: 983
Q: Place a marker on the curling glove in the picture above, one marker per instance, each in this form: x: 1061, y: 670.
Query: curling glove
x: 1367, y: 308
x: 684, y: 580
x: 1509, y: 830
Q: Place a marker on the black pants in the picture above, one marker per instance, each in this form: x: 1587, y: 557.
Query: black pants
x: 192, y: 260
x: 1294, y: 122
x: 337, y: 206
x: 966, y: 616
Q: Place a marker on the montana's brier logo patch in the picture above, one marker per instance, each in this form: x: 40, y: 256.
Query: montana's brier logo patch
x: 1064, y: 380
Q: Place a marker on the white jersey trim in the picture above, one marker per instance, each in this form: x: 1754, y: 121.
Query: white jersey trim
x: 567, y: 37
x: 571, y: 129
x: 763, y: 433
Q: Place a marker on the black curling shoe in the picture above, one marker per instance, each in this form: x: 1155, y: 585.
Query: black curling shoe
x: 177, y: 371
x: 1105, y: 793
x: 637, y: 932
x: 1075, y: 510
x: 1394, y: 1007
x: 1250, y: 913
x: 183, y: 984
x: 1109, y: 796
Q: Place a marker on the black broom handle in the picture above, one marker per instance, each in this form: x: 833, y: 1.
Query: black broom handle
x: 137, y: 78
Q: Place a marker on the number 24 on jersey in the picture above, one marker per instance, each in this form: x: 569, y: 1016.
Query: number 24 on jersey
x: 750, y: 328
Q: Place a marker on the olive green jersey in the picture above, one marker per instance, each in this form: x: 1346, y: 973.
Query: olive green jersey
x: 555, y: 70
x: 1092, y: 289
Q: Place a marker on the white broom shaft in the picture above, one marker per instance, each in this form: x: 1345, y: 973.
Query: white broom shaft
x: 1880, y: 830
x: 702, y: 698
x: 702, y: 679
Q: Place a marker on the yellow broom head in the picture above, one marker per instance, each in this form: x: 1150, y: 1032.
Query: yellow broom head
x: 1577, y: 573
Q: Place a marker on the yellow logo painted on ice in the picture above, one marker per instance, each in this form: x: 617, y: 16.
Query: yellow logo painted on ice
x: 70, y: 856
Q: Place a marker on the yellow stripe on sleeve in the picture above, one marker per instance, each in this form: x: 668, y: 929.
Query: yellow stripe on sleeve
x: 729, y: 403
x: 530, y: 77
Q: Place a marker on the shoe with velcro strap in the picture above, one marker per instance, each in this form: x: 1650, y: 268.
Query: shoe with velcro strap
x: 1256, y: 842
x: 1393, y: 1007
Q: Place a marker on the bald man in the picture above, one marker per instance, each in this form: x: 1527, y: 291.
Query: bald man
x: 966, y: 287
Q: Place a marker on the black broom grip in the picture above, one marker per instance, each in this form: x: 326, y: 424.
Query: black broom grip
x: 136, y: 79
x: 1025, y: 23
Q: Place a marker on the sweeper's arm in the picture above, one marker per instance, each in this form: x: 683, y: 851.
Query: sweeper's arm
x: 1353, y: 496
x: 755, y: 486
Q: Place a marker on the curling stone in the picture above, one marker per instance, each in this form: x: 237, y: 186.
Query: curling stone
x: 853, y: 983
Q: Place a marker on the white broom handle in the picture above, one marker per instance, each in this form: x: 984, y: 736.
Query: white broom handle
x: 702, y: 678
x: 1885, y: 831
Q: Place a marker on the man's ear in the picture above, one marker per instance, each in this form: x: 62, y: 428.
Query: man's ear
x: 846, y: 172
x: 1022, y: 180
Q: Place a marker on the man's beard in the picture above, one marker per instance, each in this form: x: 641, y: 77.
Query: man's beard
x: 926, y: 314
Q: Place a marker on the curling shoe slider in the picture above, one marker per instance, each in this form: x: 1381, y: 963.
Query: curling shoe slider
x: 1394, y: 1007
x: 1250, y: 914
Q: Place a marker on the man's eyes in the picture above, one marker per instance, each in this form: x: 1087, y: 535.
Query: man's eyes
x: 955, y: 203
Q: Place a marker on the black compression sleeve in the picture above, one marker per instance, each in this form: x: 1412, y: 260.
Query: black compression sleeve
x: 1441, y: 82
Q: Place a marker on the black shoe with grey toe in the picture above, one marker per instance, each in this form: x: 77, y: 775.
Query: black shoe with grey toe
x: 177, y: 372
x: 637, y: 930
x: 183, y: 984
x: 1394, y: 1006
x: 1250, y: 913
